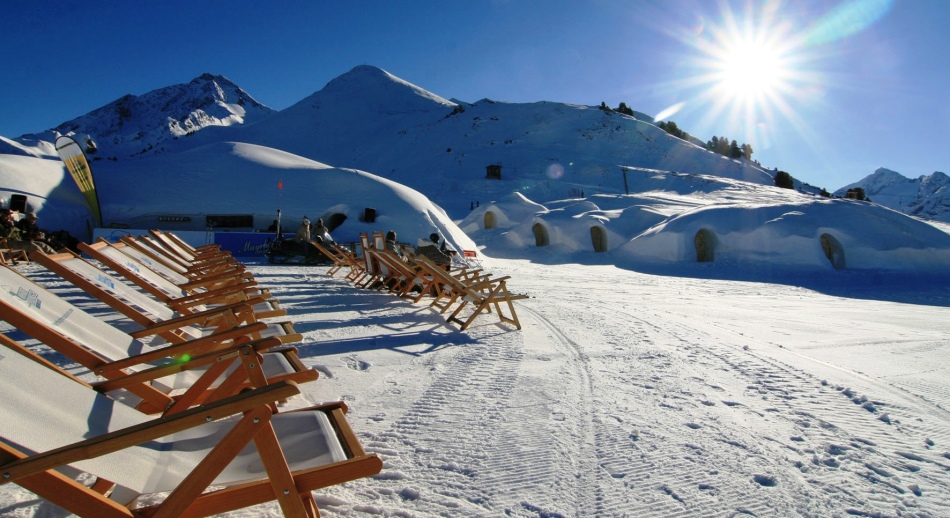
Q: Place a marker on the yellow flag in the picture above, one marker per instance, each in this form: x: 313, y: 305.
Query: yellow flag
x: 72, y: 155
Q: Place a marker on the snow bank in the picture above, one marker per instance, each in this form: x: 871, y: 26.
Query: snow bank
x: 238, y: 178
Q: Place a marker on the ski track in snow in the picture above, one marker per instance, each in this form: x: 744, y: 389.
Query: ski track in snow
x: 623, y: 395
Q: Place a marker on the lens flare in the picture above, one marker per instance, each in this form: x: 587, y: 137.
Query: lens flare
x: 847, y: 19
x: 555, y: 171
x: 669, y: 112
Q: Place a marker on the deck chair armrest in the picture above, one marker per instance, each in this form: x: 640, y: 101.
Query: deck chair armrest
x: 486, y: 282
x: 225, y: 354
x: 201, y: 265
x: 191, y: 347
x: 236, y: 290
x: 230, y: 313
x: 149, y: 430
x: 204, y: 272
x: 245, y: 280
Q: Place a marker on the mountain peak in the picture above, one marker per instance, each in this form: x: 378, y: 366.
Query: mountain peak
x: 377, y: 90
x: 926, y: 196
x: 139, y: 124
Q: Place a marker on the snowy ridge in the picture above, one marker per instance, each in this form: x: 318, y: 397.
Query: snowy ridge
x: 137, y: 125
x: 371, y: 120
x: 926, y: 196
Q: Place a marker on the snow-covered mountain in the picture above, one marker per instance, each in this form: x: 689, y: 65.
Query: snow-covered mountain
x: 370, y: 120
x: 578, y: 180
x: 925, y: 196
x: 143, y: 125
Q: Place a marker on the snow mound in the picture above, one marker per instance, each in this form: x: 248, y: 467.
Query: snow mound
x: 239, y: 178
x: 730, y: 224
x: 821, y: 233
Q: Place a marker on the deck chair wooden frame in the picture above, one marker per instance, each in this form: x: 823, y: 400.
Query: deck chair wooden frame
x: 177, y: 244
x: 12, y: 255
x: 227, y: 455
x: 169, y: 287
x: 186, y: 255
x: 208, y: 280
x: 203, y: 268
x: 407, y: 277
x: 152, y: 313
x: 340, y: 259
x: 197, y: 250
x: 354, y: 261
x: 482, y: 294
x: 205, y: 368
x: 373, y: 274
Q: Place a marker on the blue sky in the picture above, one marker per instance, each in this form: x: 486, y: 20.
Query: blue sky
x: 838, y: 88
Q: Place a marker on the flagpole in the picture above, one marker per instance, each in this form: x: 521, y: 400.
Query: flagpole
x: 280, y: 193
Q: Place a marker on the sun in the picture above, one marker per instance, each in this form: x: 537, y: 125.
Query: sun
x: 750, y: 70
x: 745, y: 73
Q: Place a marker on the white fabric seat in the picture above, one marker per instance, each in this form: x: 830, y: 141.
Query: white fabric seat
x: 42, y: 410
x: 25, y: 301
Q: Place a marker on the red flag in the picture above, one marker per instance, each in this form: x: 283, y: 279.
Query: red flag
x: 280, y: 184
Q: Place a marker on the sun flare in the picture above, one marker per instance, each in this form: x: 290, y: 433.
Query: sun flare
x: 750, y: 70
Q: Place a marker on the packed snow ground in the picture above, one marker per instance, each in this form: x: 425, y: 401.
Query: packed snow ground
x: 630, y: 394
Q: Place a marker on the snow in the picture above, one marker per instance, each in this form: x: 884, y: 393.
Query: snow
x: 802, y: 372
x: 628, y: 393
x: 642, y: 383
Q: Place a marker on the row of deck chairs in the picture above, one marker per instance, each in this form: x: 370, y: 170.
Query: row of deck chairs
x: 184, y: 419
x: 463, y: 293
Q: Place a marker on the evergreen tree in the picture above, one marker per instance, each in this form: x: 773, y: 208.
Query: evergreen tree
x: 723, y: 147
x: 747, y: 151
x: 624, y: 109
x: 784, y: 180
x: 734, y: 151
x: 671, y: 128
x: 857, y: 193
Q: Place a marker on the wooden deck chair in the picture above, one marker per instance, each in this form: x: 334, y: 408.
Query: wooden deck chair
x: 186, y: 254
x: 340, y: 261
x: 151, y: 313
x: 374, y: 274
x: 465, y: 274
x: 175, y: 272
x: 13, y: 255
x: 167, y: 285
x: 405, y: 277
x: 215, y: 458
x: 354, y: 261
x: 205, y: 368
x: 201, y: 249
x: 201, y: 268
x: 482, y: 294
x: 179, y: 243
